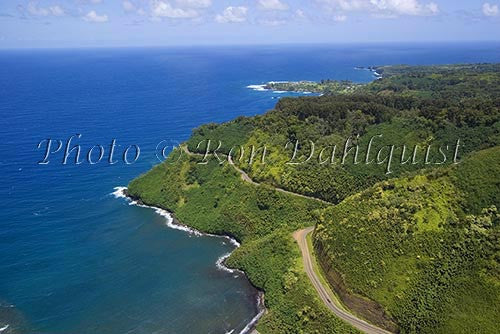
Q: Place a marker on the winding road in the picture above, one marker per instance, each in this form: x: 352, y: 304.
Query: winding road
x: 245, y: 177
x: 301, y: 238
x: 334, y: 306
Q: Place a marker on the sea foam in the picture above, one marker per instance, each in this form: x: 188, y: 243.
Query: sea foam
x: 257, y: 87
x: 253, y: 322
x: 121, y: 192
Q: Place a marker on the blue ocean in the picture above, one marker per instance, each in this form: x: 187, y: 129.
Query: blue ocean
x: 76, y: 259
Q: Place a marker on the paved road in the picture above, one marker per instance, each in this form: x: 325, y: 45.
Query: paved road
x: 245, y: 177
x: 360, y: 324
x: 300, y: 236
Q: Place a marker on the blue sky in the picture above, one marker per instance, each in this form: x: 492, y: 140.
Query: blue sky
x: 79, y: 23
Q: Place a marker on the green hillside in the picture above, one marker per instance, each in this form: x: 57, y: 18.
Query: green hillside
x: 409, y: 225
x: 433, y: 106
x: 426, y: 247
x: 215, y: 199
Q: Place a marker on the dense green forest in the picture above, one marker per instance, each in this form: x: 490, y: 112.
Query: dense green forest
x: 436, y: 106
x: 413, y: 186
x: 426, y: 247
x: 213, y: 198
x: 324, y: 86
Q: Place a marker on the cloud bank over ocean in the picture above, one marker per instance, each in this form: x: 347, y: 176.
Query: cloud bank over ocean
x: 175, y: 22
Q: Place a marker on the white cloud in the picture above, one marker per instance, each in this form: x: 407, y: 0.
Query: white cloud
x: 490, y: 10
x: 433, y: 8
x: 131, y: 7
x: 272, y: 5
x: 384, y: 7
x: 34, y: 10
x: 128, y: 6
x: 232, y: 15
x: 194, y: 3
x: 347, y: 5
x: 299, y: 13
x: 92, y: 16
x: 340, y: 18
x: 165, y: 9
x: 57, y: 10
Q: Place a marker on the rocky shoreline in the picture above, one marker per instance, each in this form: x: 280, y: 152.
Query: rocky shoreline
x: 250, y: 327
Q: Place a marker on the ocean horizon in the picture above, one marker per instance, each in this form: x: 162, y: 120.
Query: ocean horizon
x: 77, y: 257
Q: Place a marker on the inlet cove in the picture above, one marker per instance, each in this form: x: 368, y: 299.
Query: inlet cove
x: 274, y: 189
x: 377, y: 245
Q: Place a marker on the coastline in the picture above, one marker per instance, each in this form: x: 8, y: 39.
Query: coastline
x: 373, y: 69
x: 173, y: 223
x: 264, y: 88
x: 307, y: 87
